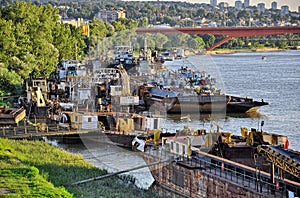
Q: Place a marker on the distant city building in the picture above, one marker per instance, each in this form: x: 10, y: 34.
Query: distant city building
x: 246, y: 3
x: 261, y: 7
x: 84, y: 24
x: 109, y: 16
x: 213, y: 3
x: 238, y: 5
x: 284, y: 10
x: 274, y: 5
x: 223, y: 5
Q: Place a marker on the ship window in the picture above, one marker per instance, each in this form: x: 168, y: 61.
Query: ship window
x: 89, y: 119
x: 155, y: 123
x: 118, y: 88
x: 177, y: 148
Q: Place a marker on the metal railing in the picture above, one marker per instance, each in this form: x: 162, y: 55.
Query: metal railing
x: 39, y: 130
x: 252, y: 179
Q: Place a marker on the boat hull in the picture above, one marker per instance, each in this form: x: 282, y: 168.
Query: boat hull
x: 207, y: 104
x: 196, y: 104
x: 243, y: 105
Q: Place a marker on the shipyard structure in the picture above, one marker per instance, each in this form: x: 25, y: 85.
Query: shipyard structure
x: 89, y: 98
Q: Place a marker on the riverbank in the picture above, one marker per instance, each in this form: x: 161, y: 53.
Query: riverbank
x: 35, y: 168
x: 231, y: 51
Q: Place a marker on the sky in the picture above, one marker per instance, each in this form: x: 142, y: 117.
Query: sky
x: 293, y: 4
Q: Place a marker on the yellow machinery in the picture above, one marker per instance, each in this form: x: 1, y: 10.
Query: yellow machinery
x: 38, y: 97
x: 244, y: 132
x: 156, y: 137
x: 125, y: 125
x: 282, y: 158
x: 228, y: 137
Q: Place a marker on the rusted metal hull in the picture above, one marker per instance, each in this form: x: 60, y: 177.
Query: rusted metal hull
x: 196, y: 104
x: 207, y: 104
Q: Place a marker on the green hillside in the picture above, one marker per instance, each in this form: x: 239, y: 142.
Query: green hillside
x: 37, y: 169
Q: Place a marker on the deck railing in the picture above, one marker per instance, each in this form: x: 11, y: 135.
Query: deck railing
x: 40, y: 130
x: 251, y: 178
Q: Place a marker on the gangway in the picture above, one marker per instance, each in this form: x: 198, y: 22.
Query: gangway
x: 282, y: 158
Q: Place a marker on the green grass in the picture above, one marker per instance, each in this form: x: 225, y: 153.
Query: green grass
x: 37, y: 169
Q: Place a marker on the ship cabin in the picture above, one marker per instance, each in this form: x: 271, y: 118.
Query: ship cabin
x: 78, y: 121
x: 185, y: 142
x: 71, y: 68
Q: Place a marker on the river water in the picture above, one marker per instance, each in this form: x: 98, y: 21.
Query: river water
x: 276, y: 80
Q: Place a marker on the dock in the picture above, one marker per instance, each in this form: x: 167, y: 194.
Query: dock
x: 40, y: 130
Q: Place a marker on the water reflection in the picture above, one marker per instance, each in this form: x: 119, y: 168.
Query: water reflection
x: 246, y: 115
x: 209, y: 117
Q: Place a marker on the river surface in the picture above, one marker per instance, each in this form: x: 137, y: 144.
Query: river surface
x: 275, y: 79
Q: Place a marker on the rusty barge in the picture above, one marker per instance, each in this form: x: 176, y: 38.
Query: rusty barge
x: 220, y: 164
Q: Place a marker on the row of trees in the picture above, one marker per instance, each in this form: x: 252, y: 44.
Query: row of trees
x: 121, y: 32
x: 33, y: 42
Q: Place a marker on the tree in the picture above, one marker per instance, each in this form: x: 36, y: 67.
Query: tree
x: 196, y: 43
x: 160, y: 40
x: 201, y: 12
x: 9, y: 82
x: 32, y: 40
x: 143, y: 22
x: 110, y: 29
x: 97, y: 28
x: 244, y: 14
x: 209, y: 39
x: 118, y: 25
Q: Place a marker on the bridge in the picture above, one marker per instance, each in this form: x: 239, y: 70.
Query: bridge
x: 228, y: 32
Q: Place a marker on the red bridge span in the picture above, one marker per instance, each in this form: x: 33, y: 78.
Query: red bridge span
x: 229, y: 32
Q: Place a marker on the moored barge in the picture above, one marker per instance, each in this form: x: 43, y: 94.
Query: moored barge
x: 218, y: 164
x: 175, y: 103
